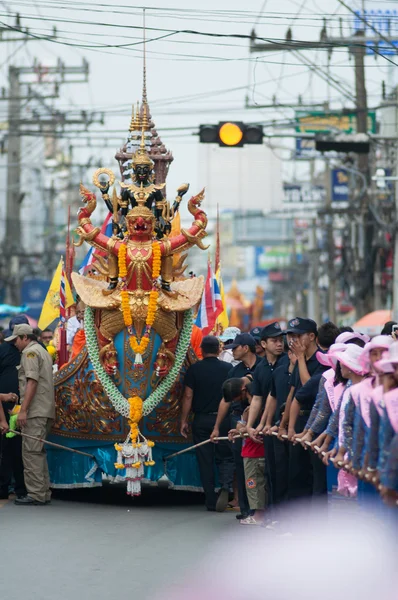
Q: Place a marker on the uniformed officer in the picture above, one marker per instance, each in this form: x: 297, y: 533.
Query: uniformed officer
x: 272, y: 343
x: 202, y: 394
x: 37, y: 412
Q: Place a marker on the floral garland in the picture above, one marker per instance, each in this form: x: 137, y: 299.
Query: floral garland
x: 139, y: 348
x: 118, y: 401
x: 136, y: 451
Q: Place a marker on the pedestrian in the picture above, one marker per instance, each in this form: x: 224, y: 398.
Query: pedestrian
x: 202, y: 395
x: 244, y: 351
x: 37, y: 413
x: 302, y: 339
x: 272, y: 342
x: 74, y: 323
x: 226, y: 338
x: 253, y: 456
x: 327, y: 334
x: 255, y: 332
x: 11, y: 465
x: 46, y: 336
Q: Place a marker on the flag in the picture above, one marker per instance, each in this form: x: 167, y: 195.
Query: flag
x: 62, y: 295
x: 222, y: 319
x: 211, y: 304
x: 106, y: 229
x: 51, y: 306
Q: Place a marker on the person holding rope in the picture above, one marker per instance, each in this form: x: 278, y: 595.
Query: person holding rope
x: 37, y: 413
x: 202, y: 395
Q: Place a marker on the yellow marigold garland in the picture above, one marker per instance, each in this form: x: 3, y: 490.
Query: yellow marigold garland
x: 139, y: 348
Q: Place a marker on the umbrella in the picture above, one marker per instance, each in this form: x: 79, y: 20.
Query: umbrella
x: 373, y: 322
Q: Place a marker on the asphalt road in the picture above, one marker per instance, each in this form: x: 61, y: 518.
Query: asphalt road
x: 97, y: 544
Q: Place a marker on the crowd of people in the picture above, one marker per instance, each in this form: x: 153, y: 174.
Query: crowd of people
x: 292, y: 415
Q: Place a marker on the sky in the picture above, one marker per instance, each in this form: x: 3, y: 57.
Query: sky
x: 192, y: 78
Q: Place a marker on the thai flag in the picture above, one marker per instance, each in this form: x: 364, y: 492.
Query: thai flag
x: 106, y: 229
x: 211, y: 305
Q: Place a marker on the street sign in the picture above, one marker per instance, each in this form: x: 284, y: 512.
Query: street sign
x: 339, y: 185
x: 302, y: 200
x: 33, y: 293
x: 385, y: 20
x: 305, y: 148
x: 318, y: 121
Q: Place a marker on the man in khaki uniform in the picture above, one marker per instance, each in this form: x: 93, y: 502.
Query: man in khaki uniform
x: 37, y: 414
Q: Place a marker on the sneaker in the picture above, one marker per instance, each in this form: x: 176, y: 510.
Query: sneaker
x: 249, y: 521
x: 222, y: 500
x: 28, y: 501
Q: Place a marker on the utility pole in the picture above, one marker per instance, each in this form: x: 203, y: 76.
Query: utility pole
x: 49, y: 125
x: 12, y: 241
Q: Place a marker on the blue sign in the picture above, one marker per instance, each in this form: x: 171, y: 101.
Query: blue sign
x: 385, y: 21
x: 33, y: 293
x: 305, y: 147
x: 340, y: 189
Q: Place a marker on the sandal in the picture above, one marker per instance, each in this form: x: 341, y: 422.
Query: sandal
x: 249, y: 521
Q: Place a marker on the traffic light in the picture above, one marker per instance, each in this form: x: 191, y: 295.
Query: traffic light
x: 233, y: 134
x: 358, y: 143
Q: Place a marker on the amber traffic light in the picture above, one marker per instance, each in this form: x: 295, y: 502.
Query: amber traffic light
x: 232, y: 134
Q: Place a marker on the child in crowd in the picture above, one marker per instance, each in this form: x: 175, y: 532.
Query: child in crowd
x: 253, y: 455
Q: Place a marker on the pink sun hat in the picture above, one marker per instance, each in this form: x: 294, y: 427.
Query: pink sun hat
x: 348, y: 336
x: 350, y: 358
x: 390, y: 359
x: 379, y: 341
x: 329, y: 360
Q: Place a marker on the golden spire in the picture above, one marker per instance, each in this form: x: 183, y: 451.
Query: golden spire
x: 134, y: 123
x: 144, y: 94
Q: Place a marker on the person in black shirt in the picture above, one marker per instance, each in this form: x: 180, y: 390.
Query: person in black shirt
x: 11, y: 464
x: 272, y: 342
x: 301, y: 337
x: 202, y: 395
x: 244, y: 350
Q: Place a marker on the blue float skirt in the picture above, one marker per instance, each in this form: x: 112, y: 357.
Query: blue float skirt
x: 87, y: 421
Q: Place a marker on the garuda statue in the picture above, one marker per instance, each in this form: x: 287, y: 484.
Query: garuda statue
x: 142, y: 293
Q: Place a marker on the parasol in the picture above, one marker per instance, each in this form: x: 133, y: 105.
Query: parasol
x: 373, y: 322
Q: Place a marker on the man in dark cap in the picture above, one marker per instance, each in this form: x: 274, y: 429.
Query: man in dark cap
x: 302, y: 339
x: 272, y: 343
x: 256, y: 334
x: 11, y: 448
x: 244, y: 350
x: 202, y: 395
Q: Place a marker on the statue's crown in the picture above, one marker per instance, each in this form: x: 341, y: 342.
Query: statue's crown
x: 141, y: 156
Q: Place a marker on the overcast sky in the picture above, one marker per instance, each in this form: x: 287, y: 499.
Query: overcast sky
x: 190, y: 77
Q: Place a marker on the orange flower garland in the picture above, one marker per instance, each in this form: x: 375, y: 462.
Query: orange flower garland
x: 139, y: 348
x: 135, y: 416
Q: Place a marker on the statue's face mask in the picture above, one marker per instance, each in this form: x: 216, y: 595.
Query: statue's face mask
x: 140, y: 227
x: 142, y: 172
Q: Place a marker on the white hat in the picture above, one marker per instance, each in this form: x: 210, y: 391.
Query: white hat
x: 379, y: 341
x: 348, y: 336
x: 350, y: 358
x: 387, y: 364
x: 229, y: 333
x: 329, y: 359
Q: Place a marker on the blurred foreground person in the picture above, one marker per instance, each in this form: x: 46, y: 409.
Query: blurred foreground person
x: 357, y: 561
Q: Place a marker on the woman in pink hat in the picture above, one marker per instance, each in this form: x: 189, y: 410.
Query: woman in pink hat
x: 372, y: 353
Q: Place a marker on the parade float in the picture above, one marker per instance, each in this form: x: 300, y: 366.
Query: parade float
x: 119, y: 398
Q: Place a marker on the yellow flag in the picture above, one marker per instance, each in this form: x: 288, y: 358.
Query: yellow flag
x: 222, y: 319
x: 50, y: 310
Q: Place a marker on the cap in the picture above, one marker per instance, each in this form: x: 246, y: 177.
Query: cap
x: 21, y: 329
x: 243, y: 339
x: 229, y: 333
x: 256, y: 333
x: 299, y: 325
x: 348, y: 336
x: 329, y: 359
x: 350, y: 358
x: 390, y: 360
x: 210, y: 343
x: 379, y: 341
x: 18, y: 320
x: 271, y: 330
